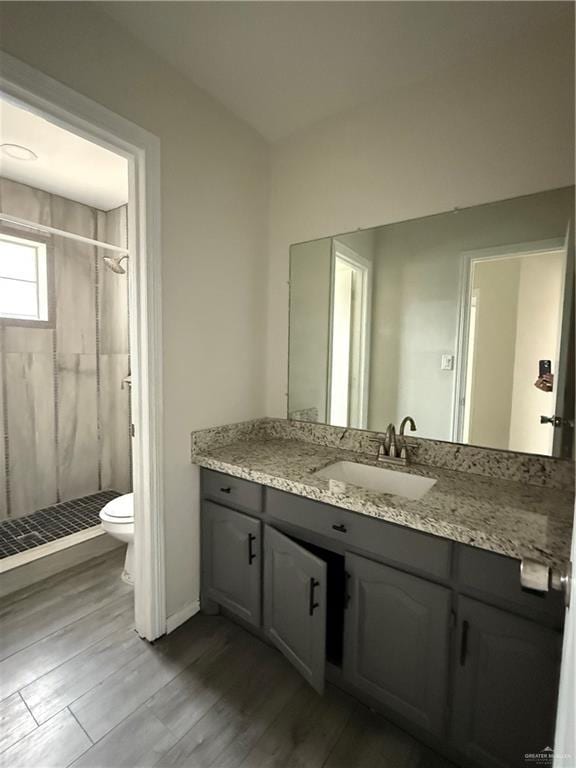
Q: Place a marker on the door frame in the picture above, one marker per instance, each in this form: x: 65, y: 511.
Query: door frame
x: 33, y: 90
x: 468, y: 258
x: 565, y: 736
x: 563, y: 437
x: 364, y: 267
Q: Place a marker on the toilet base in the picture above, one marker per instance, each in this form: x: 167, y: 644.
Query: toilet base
x: 127, y: 578
x: 128, y: 572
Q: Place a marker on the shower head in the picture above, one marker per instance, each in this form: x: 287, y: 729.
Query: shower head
x: 114, y: 263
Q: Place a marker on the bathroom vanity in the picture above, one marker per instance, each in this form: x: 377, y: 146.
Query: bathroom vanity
x: 392, y: 598
x: 395, y: 571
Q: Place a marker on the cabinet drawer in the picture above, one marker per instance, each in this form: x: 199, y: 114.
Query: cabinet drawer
x: 232, y: 491
x: 496, y: 577
x: 399, y: 545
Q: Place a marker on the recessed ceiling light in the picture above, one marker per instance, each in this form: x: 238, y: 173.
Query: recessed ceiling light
x: 17, y: 152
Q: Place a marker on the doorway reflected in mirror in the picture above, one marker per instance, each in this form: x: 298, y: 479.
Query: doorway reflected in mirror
x: 447, y: 318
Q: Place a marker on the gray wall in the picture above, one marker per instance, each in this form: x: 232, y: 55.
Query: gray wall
x: 416, y: 299
x: 310, y: 285
x: 64, y: 416
x: 494, y: 352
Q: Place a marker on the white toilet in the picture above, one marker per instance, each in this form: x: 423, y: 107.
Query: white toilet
x: 118, y: 520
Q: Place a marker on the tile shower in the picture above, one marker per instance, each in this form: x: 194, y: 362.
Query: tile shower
x: 64, y: 403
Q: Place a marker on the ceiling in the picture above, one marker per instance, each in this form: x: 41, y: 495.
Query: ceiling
x: 67, y: 165
x: 282, y: 66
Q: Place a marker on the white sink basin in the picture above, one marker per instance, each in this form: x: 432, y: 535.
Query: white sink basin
x: 377, y: 479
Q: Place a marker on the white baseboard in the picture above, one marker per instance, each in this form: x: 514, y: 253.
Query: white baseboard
x: 182, y: 615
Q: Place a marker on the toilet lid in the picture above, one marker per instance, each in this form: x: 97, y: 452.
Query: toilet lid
x: 121, y: 507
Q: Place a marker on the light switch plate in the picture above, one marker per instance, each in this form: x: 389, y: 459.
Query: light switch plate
x: 447, y: 363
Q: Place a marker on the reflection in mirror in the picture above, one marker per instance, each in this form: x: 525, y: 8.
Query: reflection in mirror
x: 463, y: 320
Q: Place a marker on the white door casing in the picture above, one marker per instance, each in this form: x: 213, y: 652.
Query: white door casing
x: 36, y: 92
x: 565, y: 740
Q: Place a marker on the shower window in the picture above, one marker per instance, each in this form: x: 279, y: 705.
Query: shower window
x: 23, y: 280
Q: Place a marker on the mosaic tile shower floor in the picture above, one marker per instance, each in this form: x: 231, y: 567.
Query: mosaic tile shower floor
x: 23, y: 533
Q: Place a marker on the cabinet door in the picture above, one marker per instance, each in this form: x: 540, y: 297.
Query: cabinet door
x: 295, y: 604
x: 506, y: 685
x: 232, y: 561
x: 396, y: 640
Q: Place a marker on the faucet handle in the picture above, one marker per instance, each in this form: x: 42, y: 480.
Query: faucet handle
x: 392, y: 444
x: 381, y: 440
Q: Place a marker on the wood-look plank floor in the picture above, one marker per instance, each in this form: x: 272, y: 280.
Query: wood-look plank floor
x: 79, y: 688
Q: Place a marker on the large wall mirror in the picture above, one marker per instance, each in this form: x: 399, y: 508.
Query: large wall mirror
x: 463, y: 320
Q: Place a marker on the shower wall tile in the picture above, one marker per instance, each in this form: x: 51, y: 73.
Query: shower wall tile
x: 113, y: 311
x: 114, y: 423
x: 25, y: 202
x: 75, y: 296
x: 77, y: 425
x: 116, y: 227
x: 73, y: 217
x: 31, y: 431
x: 75, y: 276
x: 21, y: 339
x: 113, y: 288
x: 62, y: 440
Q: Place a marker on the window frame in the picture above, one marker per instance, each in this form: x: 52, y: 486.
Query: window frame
x: 46, y: 241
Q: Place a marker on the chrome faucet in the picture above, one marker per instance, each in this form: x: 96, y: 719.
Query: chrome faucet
x: 407, y: 420
x: 387, y: 444
x: 392, y: 447
x: 403, y: 443
x: 391, y: 442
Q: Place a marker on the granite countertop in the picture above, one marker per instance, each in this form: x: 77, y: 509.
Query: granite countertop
x: 502, y: 516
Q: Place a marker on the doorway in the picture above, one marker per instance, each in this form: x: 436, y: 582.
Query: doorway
x: 33, y: 91
x: 349, y: 334
x: 512, y: 307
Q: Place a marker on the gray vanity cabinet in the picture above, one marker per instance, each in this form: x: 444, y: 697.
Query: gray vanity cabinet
x: 506, y: 684
x: 232, y: 562
x: 295, y: 604
x: 440, y: 637
x: 396, y: 641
